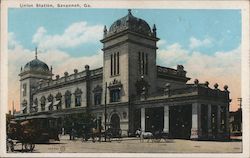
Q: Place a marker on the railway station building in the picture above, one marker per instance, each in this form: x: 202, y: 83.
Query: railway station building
x: 139, y: 93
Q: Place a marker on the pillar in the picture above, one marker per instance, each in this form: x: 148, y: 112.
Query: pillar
x: 218, y: 121
x: 63, y: 104
x: 142, y: 119
x: 196, y: 121
x: 166, y: 119
x: 227, y: 122
x: 209, y: 127
x: 73, y: 103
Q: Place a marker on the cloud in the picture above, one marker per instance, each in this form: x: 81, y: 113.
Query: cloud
x: 76, y: 34
x: 161, y: 43
x: 60, y: 60
x: 172, y: 54
x: 195, y: 43
x: 220, y: 67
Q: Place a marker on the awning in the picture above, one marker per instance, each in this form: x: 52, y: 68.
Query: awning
x: 56, y: 102
x: 34, y: 105
x: 48, y: 104
x: 42, y: 116
x: 23, y: 108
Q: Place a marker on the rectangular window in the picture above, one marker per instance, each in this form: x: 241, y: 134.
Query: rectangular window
x: 115, y: 95
x: 114, y: 64
x: 111, y: 65
x: 143, y: 63
x: 118, y: 63
x: 146, y: 65
x: 24, y: 89
x: 139, y: 62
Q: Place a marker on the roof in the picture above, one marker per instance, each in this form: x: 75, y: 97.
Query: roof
x: 131, y: 23
x: 36, y: 65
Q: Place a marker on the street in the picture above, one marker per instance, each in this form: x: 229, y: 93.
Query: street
x: 134, y: 145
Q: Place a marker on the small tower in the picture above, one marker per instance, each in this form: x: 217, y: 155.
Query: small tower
x: 30, y: 75
x: 129, y: 48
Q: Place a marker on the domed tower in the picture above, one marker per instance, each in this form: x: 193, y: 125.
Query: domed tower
x: 30, y: 76
x: 129, y: 55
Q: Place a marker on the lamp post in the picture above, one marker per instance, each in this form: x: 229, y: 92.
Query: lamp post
x: 105, y: 111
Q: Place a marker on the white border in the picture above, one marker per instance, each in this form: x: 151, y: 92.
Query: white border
x: 156, y: 4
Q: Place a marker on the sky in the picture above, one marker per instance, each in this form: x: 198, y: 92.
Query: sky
x: 206, y: 42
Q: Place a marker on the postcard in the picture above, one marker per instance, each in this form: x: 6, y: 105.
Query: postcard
x: 124, y: 78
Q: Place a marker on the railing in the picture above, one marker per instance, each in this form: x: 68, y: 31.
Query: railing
x: 170, y: 71
x: 69, y: 78
x: 190, y: 90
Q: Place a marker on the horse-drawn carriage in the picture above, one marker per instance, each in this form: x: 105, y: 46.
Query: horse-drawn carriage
x: 20, y: 133
x: 155, y: 136
x: 90, y: 130
x: 114, y: 134
x: 29, y: 131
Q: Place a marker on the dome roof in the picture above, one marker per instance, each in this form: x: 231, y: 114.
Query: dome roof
x: 132, y: 23
x: 36, y: 65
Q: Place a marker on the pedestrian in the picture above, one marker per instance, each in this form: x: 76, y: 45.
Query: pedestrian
x: 73, y: 133
x: 70, y: 134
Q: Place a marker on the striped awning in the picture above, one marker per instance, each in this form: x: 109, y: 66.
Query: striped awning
x: 56, y: 102
x: 48, y: 104
x: 23, y: 108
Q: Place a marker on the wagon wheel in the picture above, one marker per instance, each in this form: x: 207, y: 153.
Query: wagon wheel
x: 29, y: 146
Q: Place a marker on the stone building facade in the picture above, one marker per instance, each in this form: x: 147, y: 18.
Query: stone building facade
x: 140, y: 94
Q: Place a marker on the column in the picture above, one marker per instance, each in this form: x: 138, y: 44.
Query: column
x: 73, y: 104
x: 195, y: 121
x: 218, y: 120
x: 166, y: 119
x: 63, y: 102
x: 142, y: 119
x: 227, y: 122
x: 209, y: 127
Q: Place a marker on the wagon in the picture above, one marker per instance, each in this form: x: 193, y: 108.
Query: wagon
x: 31, y: 130
x: 20, y: 133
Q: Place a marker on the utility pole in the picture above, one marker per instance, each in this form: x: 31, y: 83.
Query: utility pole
x: 105, y: 111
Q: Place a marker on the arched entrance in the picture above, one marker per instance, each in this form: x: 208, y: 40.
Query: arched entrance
x: 115, y: 121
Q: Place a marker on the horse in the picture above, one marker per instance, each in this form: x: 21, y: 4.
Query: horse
x: 95, y: 132
x: 144, y: 135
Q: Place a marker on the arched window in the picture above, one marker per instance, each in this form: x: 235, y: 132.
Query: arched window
x: 78, y: 94
x: 115, y: 90
x: 98, y: 98
x: 50, y: 100
x: 115, y: 95
x: 43, y: 100
x: 97, y: 95
x: 67, y: 99
x: 58, y: 102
